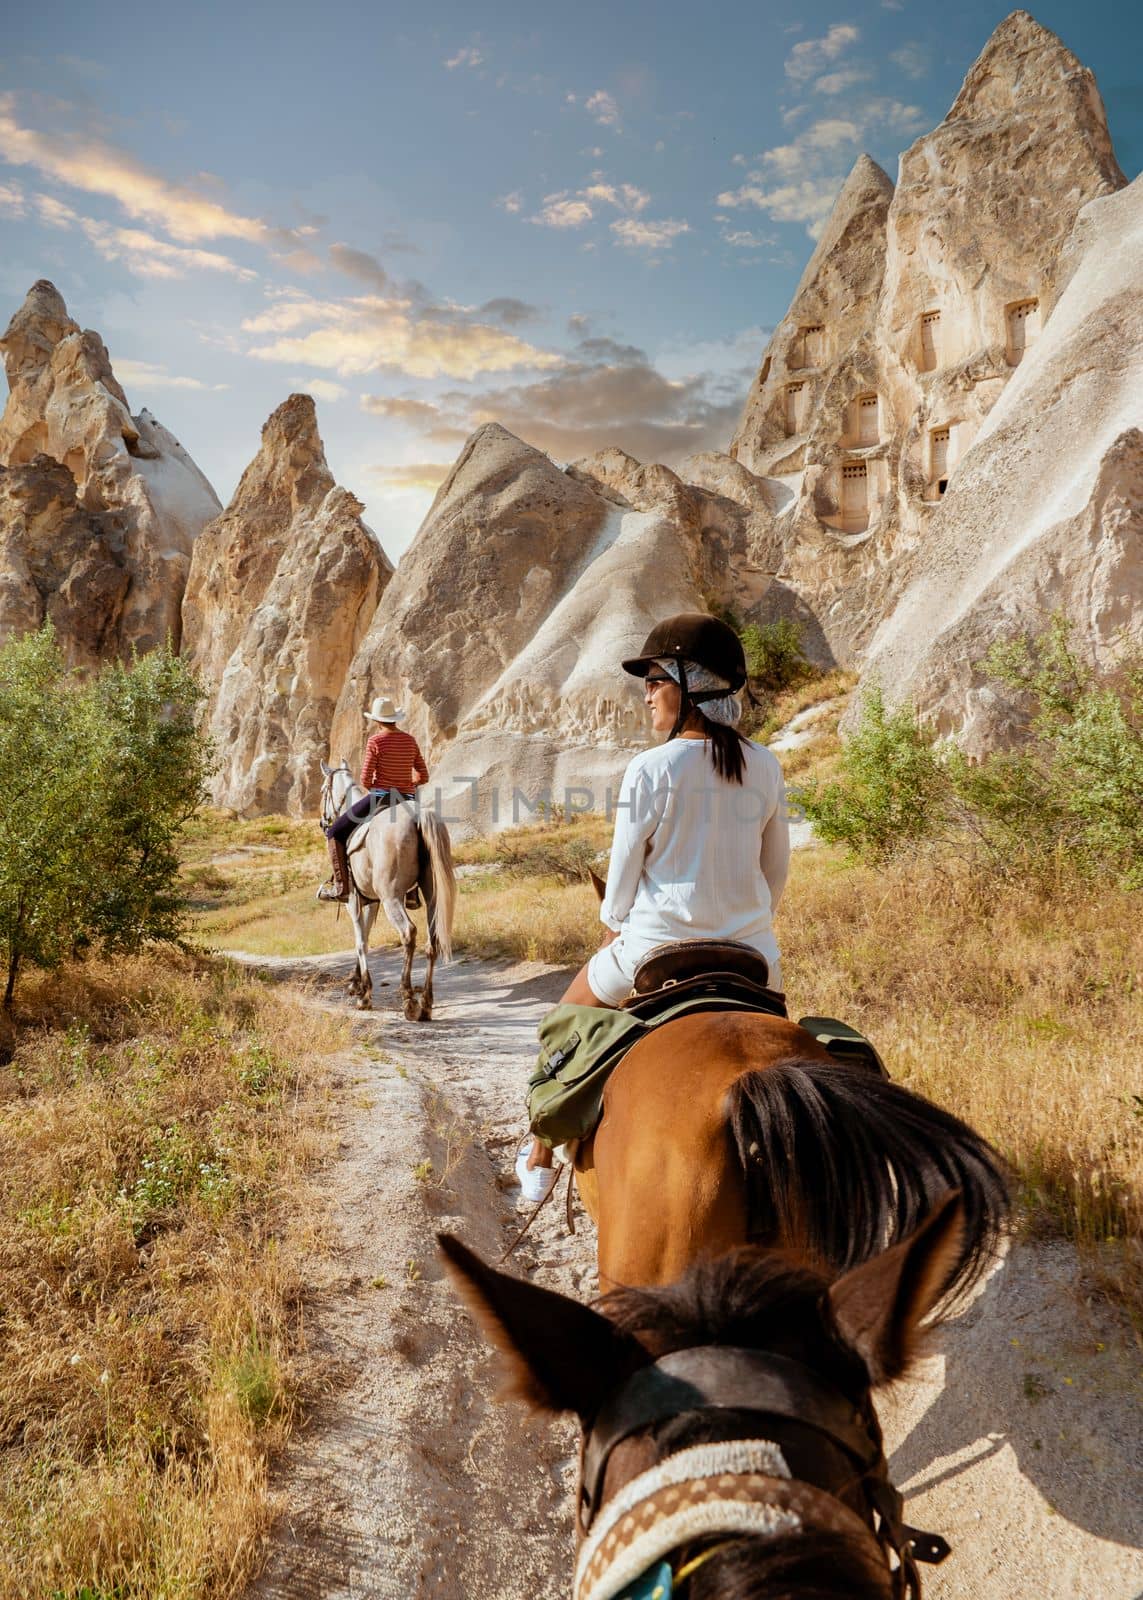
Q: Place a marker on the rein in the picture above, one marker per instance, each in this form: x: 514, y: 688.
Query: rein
x: 711, y: 1378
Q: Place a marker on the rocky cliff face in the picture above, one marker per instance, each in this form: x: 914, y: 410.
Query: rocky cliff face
x: 282, y: 588
x: 1046, y: 512
x: 875, y: 386
x: 502, y: 631
x: 57, y: 563
x: 134, y: 488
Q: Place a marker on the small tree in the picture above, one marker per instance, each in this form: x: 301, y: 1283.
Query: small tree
x: 893, y: 789
x: 1074, y: 789
x: 775, y: 656
x: 97, y: 777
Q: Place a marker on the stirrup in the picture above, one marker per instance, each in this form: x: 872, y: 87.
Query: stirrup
x: 330, y: 891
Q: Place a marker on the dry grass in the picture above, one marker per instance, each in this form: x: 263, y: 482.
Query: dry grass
x: 1018, y: 1009
x: 158, y: 1119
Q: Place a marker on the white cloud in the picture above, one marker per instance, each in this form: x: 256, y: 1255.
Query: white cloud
x: 512, y: 203
x: 140, y: 252
x: 603, y: 108
x: 411, y: 475
x: 11, y: 200
x: 624, y: 196
x: 147, y: 257
x: 743, y: 239
x: 86, y: 162
x: 468, y: 56
x: 146, y: 375
x: 370, y: 332
x: 53, y: 213
x: 563, y: 211
x: 914, y: 58
x: 830, y: 133
x: 810, y: 201
x: 839, y: 82
x: 645, y: 235
x: 807, y: 59
x: 321, y: 389
x: 895, y: 115
x: 798, y: 182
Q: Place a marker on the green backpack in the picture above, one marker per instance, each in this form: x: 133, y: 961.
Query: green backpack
x: 580, y: 1045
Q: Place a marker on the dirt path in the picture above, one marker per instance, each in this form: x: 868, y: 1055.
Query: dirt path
x: 1022, y: 1442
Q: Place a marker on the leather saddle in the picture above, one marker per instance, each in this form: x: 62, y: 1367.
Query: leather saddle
x: 725, y: 972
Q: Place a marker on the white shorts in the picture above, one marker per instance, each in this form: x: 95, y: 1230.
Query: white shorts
x: 610, y: 975
x: 611, y: 972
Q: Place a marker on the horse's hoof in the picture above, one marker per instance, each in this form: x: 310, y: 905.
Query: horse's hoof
x: 365, y: 1003
x: 412, y: 1011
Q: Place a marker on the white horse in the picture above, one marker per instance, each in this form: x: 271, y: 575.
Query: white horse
x: 395, y: 853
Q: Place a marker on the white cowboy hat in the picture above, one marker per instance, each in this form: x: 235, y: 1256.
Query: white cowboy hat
x: 383, y: 710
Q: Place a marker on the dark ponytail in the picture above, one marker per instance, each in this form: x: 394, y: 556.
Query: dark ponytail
x: 725, y: 750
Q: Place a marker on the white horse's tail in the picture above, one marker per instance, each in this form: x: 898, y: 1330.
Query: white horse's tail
x: 442, y: 907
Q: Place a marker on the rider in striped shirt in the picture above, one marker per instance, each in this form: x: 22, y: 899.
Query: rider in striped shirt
x: 393, y: 769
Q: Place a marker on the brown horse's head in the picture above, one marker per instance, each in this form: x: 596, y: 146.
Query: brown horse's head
x: 751, y: 1345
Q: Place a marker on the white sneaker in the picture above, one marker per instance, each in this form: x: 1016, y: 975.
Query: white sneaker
x: 535, y: 1182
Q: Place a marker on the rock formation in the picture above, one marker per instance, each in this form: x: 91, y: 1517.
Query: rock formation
x: 502, y: 630
x: 1046, y: 511
x: 58, y: 564
x: 874, y: 386
x: 282, y: 588
x: 135, y: 490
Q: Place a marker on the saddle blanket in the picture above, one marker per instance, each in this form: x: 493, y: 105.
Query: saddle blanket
x: 582, y: 1046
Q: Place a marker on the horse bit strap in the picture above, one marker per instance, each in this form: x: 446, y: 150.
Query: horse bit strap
x: 714, y: 1377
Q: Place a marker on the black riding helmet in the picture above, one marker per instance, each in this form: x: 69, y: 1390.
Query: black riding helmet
x: 693, y: 636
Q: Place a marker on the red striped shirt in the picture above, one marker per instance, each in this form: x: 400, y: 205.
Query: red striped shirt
x: 393, y: 760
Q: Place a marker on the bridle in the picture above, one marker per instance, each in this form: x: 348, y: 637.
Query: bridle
x: 328, y: 809
x: 769, y: 1386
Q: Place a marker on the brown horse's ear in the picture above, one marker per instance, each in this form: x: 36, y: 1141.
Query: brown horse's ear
x: 880, y: 1305
x: 597, y: 884
x: 562, y: 1356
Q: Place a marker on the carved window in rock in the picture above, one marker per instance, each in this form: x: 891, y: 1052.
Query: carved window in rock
x: 867, y: 417
x: 1023, y: 320
x: 807, y: 348
x: 940, y: 441
x: 930, y: 341
x: 797, y: 407
x: 854, y: 496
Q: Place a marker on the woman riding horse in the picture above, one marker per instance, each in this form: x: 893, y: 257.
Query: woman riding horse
x: 393, y: 766
x: 702, y: 844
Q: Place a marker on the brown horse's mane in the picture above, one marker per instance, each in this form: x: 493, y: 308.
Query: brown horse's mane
x: 749, y: 1298
x: 846, y: 1163
x: 755, y: 1299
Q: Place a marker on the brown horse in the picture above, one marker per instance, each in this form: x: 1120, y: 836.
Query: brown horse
x: 728, y: 1425
x: 727, y: 1128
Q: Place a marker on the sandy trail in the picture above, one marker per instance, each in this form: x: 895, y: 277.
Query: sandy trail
x: 1022, y: 1442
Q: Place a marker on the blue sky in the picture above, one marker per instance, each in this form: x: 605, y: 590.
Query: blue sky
x: 580, y: 220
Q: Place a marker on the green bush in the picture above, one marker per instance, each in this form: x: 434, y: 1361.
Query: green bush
x: 1069, y: 796
x: 1073, y: 791
x: 97, y: 777
x: 893, y: 790
x: 775, y: 657
x: 569, y: 860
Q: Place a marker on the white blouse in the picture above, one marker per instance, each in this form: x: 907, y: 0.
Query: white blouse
x: 695, y: 856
